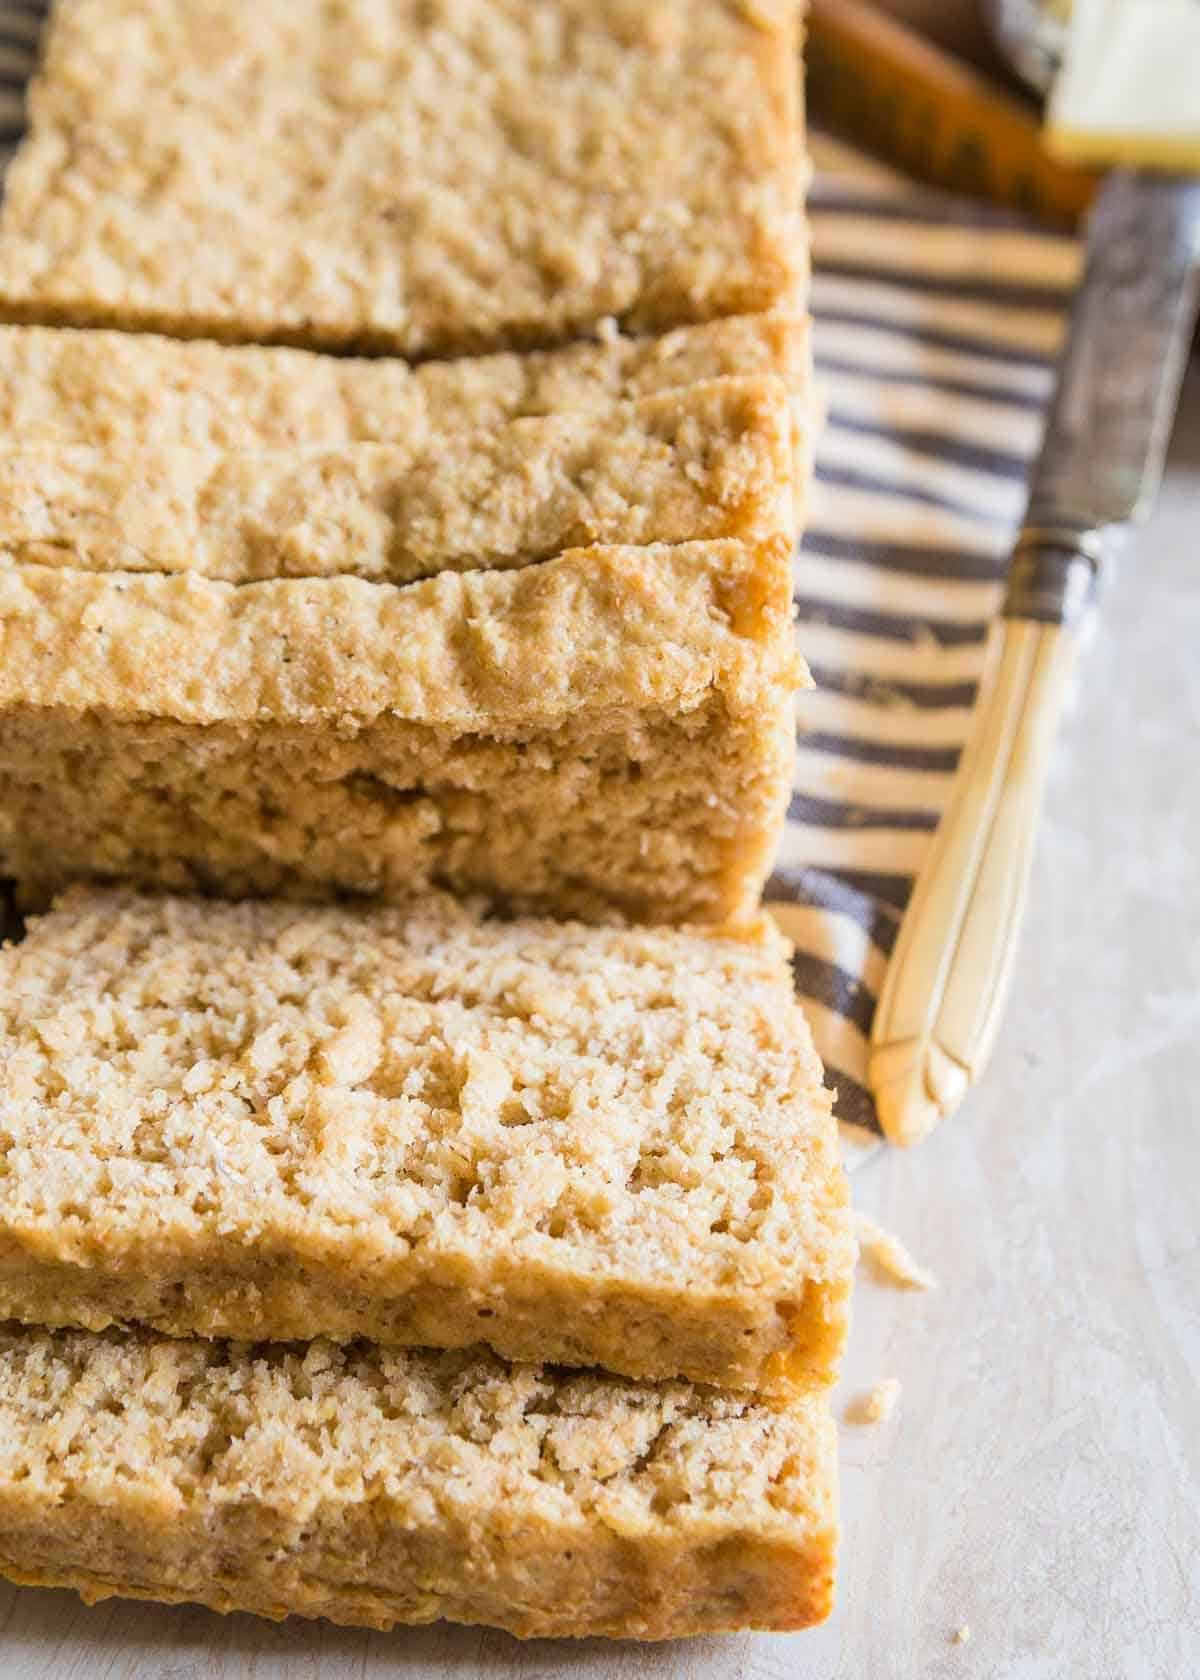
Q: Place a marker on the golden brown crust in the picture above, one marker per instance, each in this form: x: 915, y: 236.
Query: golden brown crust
x: 109, y: 390
x: 596, y: 627
x: 710, y: 460
x: 375, y: 1487
x: 454, y: 178
x: 750, y: 1586
x: 426, y: 1127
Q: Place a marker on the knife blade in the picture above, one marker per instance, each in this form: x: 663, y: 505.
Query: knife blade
x: 1118, y: 383
x: 1124, y: 354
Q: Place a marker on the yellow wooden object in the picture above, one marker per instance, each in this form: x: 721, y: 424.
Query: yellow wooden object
x: 923, y: 111
x: 948, y: 976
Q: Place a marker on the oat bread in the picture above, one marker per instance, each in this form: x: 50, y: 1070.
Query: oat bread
x: 613, y: 728
x: 461, y: 176
x: 424, y: 1126
x: 109, y: 390
x: 708, y: 460
x: 378, y: 1487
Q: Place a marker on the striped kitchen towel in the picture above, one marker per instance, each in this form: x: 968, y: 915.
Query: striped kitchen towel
x: 20, y: 27
x: 937, y: 323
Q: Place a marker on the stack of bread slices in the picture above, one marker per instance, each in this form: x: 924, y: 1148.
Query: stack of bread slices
x: 419, y: 1196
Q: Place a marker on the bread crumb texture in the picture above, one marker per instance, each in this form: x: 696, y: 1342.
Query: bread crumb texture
x: 876, y: 1406
x: 416, y: 177
x: 374, y: 1486
x: 888, y: 1258
x: 597, y: 1146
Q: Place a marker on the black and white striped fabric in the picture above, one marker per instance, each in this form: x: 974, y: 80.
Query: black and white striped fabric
x: 20, y: 28
x: 937, y: 322
x: 936, y: 326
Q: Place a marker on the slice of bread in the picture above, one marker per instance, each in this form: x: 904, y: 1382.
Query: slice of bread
x: 425, y: 1126
x: 374, y: 1487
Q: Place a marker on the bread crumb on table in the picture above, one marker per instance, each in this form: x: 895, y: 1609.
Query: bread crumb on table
x: 889, y: 1259
x: 962, y: 1635
x: 876, y: 1406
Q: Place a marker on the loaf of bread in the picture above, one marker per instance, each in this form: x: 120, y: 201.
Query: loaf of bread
x: 422, y: 1125
x: 409, y: 178
x: 411, y: 1255
x: 375, y: 1487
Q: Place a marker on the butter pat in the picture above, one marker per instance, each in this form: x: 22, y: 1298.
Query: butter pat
x: 1129, y: 90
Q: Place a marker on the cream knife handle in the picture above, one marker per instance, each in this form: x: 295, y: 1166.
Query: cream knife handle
x: 947, y: 978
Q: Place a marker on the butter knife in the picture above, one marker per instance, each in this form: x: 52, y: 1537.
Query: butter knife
x: 1100, y: 465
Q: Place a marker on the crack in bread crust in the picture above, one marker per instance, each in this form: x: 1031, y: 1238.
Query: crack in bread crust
x: 611, y: 729
x: 711, y: 461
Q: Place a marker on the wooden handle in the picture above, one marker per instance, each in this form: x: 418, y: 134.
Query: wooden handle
x: 948, y: 975
x: 940, y: 120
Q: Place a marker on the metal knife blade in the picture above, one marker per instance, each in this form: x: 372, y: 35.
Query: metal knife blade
x: 1127, y: 341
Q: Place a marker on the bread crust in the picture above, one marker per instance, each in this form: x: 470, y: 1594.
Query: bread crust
x: 112, y: 390
x: 710, y: 460
x: 489, y: 174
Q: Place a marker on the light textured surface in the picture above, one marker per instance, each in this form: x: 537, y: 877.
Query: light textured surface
x: 467, y: 174
x: 374, y: 1487
x: 710, y: 460
x: 423, y: 1126
x: 1041, y: 1482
